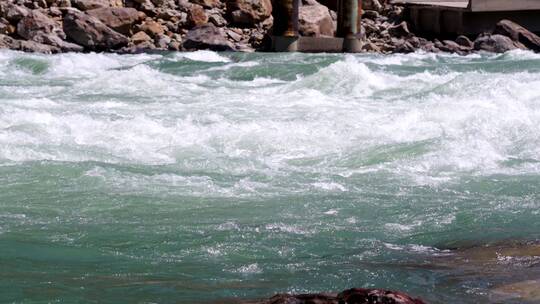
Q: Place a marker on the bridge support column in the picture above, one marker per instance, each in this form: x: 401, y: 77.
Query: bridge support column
x: 349, y: 12
x: 285, y: 35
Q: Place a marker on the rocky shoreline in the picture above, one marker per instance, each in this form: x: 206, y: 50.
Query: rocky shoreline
x: 134, y: 26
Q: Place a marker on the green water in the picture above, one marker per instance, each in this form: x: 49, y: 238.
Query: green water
x: 208, y: 178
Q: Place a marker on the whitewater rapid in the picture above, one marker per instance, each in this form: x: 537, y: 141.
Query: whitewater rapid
x: 287, y: 169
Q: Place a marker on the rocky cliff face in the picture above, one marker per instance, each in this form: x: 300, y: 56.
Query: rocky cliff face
x: 131, y: 26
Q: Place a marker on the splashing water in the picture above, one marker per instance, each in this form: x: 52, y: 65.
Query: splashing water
x: 194, y: 178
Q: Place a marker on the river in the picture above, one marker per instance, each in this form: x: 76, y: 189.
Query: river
x: 205, y: 177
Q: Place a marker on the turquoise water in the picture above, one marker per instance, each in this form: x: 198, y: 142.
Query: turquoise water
x: 207, y: 178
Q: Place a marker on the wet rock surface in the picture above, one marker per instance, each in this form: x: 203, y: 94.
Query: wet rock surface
x: 238, y: 25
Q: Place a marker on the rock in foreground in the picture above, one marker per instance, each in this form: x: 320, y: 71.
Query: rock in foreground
x: 350, y: 296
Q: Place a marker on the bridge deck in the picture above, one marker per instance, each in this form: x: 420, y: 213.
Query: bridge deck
x: 469, y: 17
x: 450, y: 4
x: 477, y: 5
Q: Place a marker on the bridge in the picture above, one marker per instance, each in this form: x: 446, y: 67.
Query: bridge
x: 469, y: 17
x: 430, y: 17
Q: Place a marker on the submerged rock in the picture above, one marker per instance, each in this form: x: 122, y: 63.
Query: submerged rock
x: 528, y: 291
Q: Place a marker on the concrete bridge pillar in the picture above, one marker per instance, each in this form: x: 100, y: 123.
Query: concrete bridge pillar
x: 348, y: 28
x: 287, y: 39
x: 286, y: 35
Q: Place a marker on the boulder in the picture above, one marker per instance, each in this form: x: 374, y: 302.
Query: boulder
x: 494, y: 43
x: 152, y: 28
x: 315, y: 20
x: 196, y: 15
x: 465, y: 42
x: 207, y: 37
x: 36, y: 47
x: 55, y: 41
x: 35, y: 23
x: 13, y: 12
x: 364, y: 296
x: 372, y: 5
x: 120, y: 19
x: 302, y: 299
x: 249, y: 12
x: 519, y: 34
x: 399, y: 30
x: 140, y: 37
x: 207, y: 3
x: 85, y: 5
x: 7, y: 42
x: 91, y: 33
x: 350, y: 296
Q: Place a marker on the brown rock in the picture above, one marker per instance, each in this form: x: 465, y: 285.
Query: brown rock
x: 152, y: 28
x: 366, y: 296
x: 518, y: 33
x: 91, y: 33
x: 119, y: 19
x: 207, y: 37
x: 315, y: 20
x: 34, y: 23
x: 351, y: 296
x: 207, y: 3
x: 196, y: 15
x: 249, y: 12
x: 55, y: 41
x: 85, y: 5
x: 140, y: 37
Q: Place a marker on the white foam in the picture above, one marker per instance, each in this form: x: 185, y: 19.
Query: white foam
x: 354, y: 116
x: 204, y: 56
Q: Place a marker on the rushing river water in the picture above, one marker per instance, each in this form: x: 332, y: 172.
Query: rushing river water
x: 205, y: 177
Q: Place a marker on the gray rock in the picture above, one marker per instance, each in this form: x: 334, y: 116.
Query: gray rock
x: 91, y: 33
x: 315, y: 20
x: 55, y: 41
x: 465, y: 42
x: 494, y: 43
x: 399, y: 30
x: 13, y: 12
x: 36, y: 47
x: 373, y: 5
x: 207, y: 37
x: 519, y: 34
x: 7, y: 42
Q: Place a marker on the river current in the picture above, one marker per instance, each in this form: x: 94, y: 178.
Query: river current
x: 207, y: 177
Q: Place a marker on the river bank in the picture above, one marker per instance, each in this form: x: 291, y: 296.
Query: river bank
x: 134, y: 26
